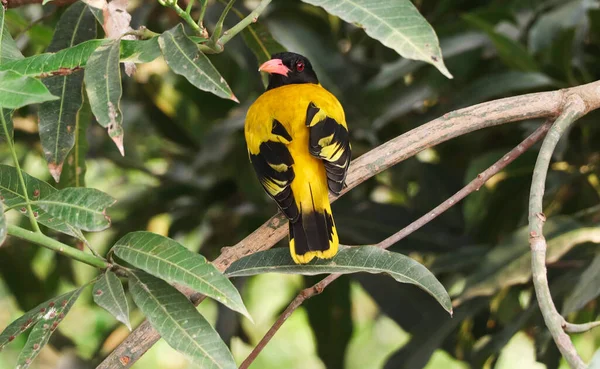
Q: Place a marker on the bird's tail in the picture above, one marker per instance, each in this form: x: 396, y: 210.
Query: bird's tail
x: 314, y: 233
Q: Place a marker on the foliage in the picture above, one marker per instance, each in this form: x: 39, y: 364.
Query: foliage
x: 184, y: 188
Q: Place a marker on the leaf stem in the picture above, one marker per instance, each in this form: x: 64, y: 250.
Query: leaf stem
x: 251, y: 18
x: 574, y: 109
x: 59, y: 247
x: 190, y: 6
x: 219, y: 27
x: 11, y: 147
x: 182, y: 14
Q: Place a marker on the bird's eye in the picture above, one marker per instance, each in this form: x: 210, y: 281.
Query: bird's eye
x: 299, y: 66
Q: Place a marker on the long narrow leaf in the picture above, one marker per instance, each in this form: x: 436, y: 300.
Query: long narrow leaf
x: 395, y: 23
x: 103, y: 86
x: 184, y: 58
x: 369, y: 259
x: 12, y: 195
x: 74, y: 169
x: 17, y: 91
x: 43, y: 329
x: 109, y: 294
x: 46, y: 310
x: 178, y: 322
x: 167, y: 259
x: 83, y: 208
x: 8, y: 48
x: 58, y: 118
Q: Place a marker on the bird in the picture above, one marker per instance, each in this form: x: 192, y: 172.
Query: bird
x: 299, y: 146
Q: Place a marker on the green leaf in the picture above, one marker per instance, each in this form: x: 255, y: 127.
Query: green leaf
x: 42, y: 65
x: 109, y: 294
x: 12, y: 195
x: 3, y: 224
x: 184, y: 58
x: 167, y: 259
x: 83, y: 208
x: 178, y: 322
x: 396, y: 24
x: 103, y: 86
x: 7, y: 124
x: 8, y: 48
x: 262, y: 44
x: 511, y: 52
x: 73, y: 174
x: 46, y: 325
x: 369, y: 259
x: 546, y: 28
x: 509, y: 262
x: 17, y: 90
x: 57, y: 118
x: 586, y: 290
x: 139, y: 51
x: 42, y: 312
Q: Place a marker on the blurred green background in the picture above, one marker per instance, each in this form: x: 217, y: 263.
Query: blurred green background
x: 186, y: 175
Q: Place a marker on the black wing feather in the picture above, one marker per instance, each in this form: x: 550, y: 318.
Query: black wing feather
x: 330, y: 141
x: 274, y: 166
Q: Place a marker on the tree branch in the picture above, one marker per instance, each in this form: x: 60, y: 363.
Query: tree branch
x: 574, y: 109
x: 474, y: 185
x: 450, y: 125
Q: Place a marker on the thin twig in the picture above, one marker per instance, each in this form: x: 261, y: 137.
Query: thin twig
x: 574, y: 109
x: 474, y: 185
x: 11, y: 147
x: 580, y: 328
x: 453, y: 124
x: 251, y: 18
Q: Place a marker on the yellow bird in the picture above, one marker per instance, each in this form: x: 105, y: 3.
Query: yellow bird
x: 299, y: 146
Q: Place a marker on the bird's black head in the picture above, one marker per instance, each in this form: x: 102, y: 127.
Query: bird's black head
x: 288, y: 68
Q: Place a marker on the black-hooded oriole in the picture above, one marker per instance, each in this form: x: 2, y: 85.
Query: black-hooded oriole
x: 299, y: 146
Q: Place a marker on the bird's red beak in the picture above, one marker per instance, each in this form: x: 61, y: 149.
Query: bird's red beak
x: 274, y: 66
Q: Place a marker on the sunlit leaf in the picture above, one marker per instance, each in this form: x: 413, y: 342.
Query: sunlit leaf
x: 369, y: 259
x: 103, y: 86
x: 395, y: 23
x: 17, y: 90
x: 46, y: 313
x: 178, y: 322
x: 83, y: 208
x: 586, y: 289
x: 167, y: 259
x: 184, y: 58
x: 12, y: 195
x: 57, y: 119
x: 511, y: 52
x: 46, y: 325
x: 110, y: 295
x: 8, y: 48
